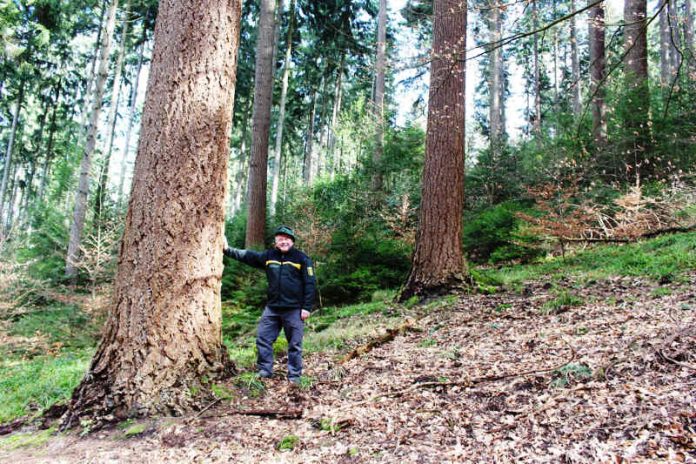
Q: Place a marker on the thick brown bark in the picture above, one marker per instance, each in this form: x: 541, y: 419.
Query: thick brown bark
x: 638, y: 94
x: 597, y: 74
x: 82, y: 193
x: 380, y: 69
x: 281, y: 110
x: 163, y: 332
x: 261, y: 125
x: 438, y: 261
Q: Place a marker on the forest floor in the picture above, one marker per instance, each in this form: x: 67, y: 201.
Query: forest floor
x: 570, y: 370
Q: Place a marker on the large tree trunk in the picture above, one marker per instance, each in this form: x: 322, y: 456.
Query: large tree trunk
x: 281, y: 110
x: 438, y: 262
x: 82, y: 193
x: 163, y: 333
x: 261, y: 124
x: 8, y: 154
x: 638, y: 92
x: 102, y: 186
x: 380, y: 69
x: 133, y: 98
x: 597, y: 74
x: 575, y: 63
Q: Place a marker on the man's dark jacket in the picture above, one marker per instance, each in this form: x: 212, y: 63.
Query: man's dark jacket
x: 291, y: 280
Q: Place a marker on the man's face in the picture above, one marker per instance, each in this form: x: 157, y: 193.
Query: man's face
x: 283, y: 242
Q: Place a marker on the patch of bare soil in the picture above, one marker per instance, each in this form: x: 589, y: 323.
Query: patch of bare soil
x: 502, y: 378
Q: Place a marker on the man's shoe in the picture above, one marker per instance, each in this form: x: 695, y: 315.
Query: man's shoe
x: 265, y: 375
x: 295, y: 380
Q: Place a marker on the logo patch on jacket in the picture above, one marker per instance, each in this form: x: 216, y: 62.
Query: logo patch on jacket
x: 310, y: 271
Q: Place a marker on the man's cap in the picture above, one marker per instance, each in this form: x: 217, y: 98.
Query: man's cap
x: 285, y: 230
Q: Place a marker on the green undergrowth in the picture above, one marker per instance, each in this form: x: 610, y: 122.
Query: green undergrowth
x: 665, y: 259
x: 45, y: 355
x: 31, y: 386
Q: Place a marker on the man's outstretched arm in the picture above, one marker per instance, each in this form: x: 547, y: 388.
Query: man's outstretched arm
x: 250, y: 257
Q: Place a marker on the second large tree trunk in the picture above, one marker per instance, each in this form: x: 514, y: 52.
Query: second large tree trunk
x: 380, y: 69
x: 438, y: 261
x: 261, y: 125
x: 163, y: 332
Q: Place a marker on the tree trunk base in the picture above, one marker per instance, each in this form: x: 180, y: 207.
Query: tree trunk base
x: 95, y: 403
x: 429, y: 290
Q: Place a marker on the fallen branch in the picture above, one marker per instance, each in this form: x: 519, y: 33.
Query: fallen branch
x: 651, y: 234
x: 379, y: 341
x: 275, y: 413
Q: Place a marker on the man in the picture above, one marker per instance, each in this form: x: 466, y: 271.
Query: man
x: 291, y: 285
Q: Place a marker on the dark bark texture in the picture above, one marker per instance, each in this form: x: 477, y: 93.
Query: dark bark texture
x: 163, y: 332
x: 438, y: 262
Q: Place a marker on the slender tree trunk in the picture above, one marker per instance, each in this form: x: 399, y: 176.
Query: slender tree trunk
x: 665, y: 61
x: 308, y: 171
x: 380, y: 69
x: 163, y: 334
x: 261, y: 123
x: 575, y: 63
x: 675, y: 42
x: 80, y: 209
x: 242, y: 175
x: 638, y: 97
x: 495, y: 81
x: 537, y: 75
x: 8, y: 153
x: 689, y: 33
x: 438, y: 262
x: 102, y: 186
x: 597, y: 73
x: 131, y: 119
x: 14, y: 185
x: 281, y: 110
x: 93, y: 65
x: 48, y: 159
x: 338, y: 96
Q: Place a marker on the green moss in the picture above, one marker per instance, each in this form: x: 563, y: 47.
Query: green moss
x: 288, y: 443
x: 26, y: 440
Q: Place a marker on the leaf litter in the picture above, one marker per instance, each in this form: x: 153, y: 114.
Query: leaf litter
x: 489, y: 378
